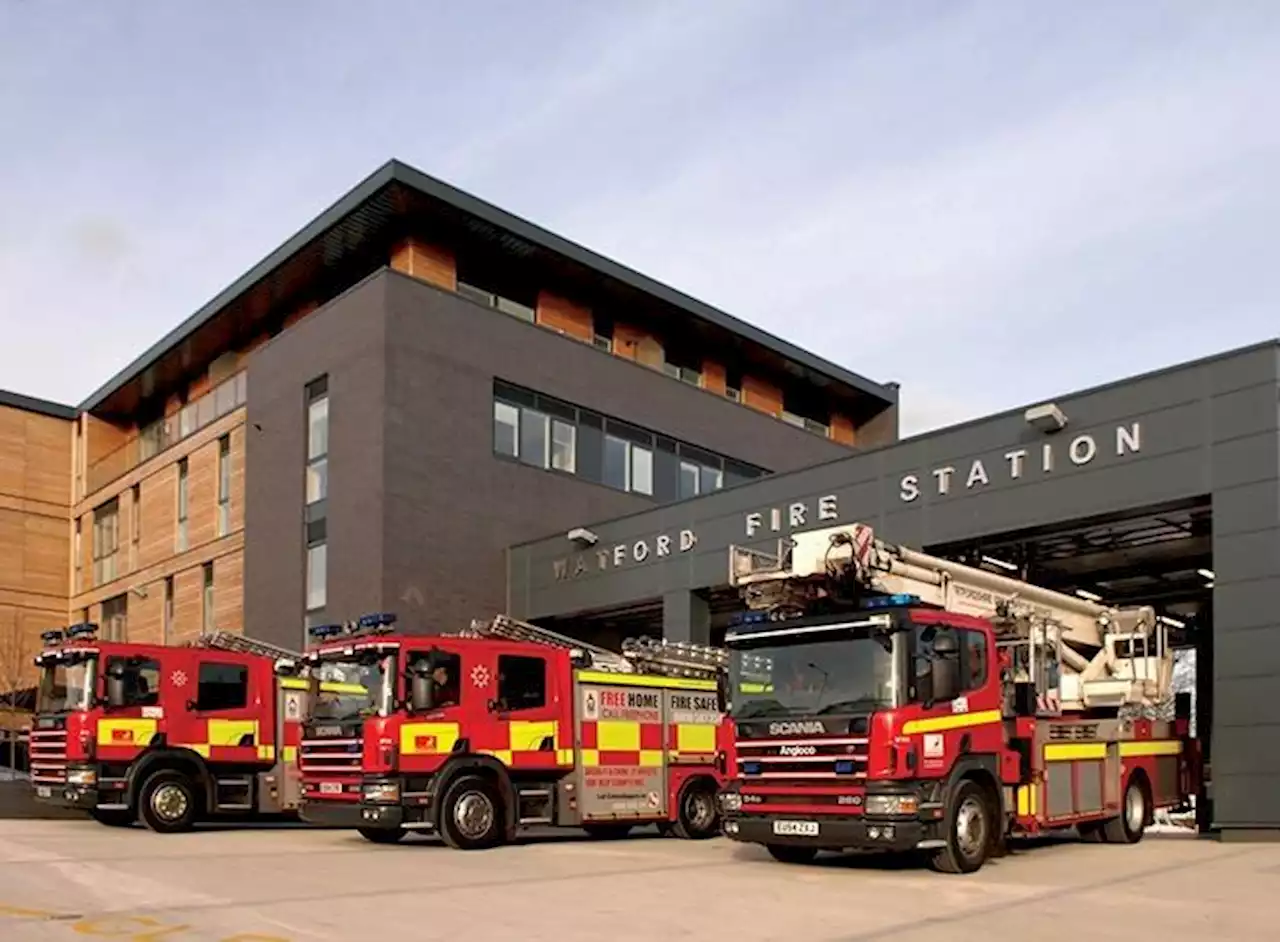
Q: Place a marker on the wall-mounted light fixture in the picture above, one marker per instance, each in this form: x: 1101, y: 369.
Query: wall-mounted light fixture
x: 1047, y: 418
x: 582, y: 536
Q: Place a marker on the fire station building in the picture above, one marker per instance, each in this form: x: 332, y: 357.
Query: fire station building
x: 1161, y: 489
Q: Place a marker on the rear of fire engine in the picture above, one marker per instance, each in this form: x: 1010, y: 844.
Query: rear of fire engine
x: 885, y: 699
x: 168, y: 734
x: 508, y: 726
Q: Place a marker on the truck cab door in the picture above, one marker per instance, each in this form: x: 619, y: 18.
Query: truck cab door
x: 134, y: 716
x: 457, y: 710
x: 225, y: 704
x: 526, y: 705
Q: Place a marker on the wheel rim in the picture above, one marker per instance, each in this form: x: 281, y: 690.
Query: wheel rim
x: 473, y: 814
x: 1135, y: 811
x: 700, y: 809
x: 971, y: 827
x: 169, y: 802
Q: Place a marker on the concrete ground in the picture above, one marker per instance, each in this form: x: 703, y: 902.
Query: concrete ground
x: 65, y: 880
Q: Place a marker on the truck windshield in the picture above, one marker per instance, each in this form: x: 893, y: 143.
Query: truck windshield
x: 352, y: 687
x: 847, y: 673
x: 66, y: 684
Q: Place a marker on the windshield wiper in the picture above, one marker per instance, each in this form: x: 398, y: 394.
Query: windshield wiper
x: 850, y: 705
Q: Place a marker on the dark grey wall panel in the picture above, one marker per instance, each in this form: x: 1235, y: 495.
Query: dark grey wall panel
x: 451, y: 508
x: 344, y: 339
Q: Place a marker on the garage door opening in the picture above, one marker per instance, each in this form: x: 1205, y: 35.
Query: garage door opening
x: 1160, y: 556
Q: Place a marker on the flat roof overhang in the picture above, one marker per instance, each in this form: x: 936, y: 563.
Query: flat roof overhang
x: 39, y: 406
x: 354, y: 237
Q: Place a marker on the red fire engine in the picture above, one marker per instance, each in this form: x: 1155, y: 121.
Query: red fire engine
x: 508, y: 726
x: 888, y: 699
x: 171, y: 734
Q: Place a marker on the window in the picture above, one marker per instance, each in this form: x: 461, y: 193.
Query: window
x: 446, y: 670
x: 534, y: 437
x: 79, y: 560
x: 106, y: 540
x: 135, y: 520
x: 317, y: 576
x: 141, y: 677
x: 207, y: 598
x: 697, y: 478
x: 222, y: 687
x: 224, y: 485
x: 507, y: 306
x: 971, y: 654
x: 115, y: 617
x: 318, y: 440
x: 627, y: 466
x: 974, y: 667
x: 166, y: 627
x: 522, y: 682
x: 182, y: 505
x: 506, y: 429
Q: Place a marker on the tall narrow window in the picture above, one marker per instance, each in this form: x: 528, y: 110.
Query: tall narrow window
x: 318, y: 440
x: 79, y: 561
x: 166, y: 628
x: 317, y: 574
x: 135, y: 522
x: 207, y: 598
x: 627, y: 466
x: 224, y: 485
x: 106, y: 541
x: 115, y: 615
x: 182, y: 506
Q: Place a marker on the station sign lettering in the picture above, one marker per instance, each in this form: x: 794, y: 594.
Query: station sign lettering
x: 1014, y: 465
x: 624, y: 554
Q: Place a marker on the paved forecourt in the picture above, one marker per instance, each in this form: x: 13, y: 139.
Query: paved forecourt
x: 68, y: 880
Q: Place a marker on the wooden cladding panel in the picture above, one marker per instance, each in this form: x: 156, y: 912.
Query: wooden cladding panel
x: 35, y: 555
x: 188, y: 610
x: 842, y: 429
x: 144, y: 623
x: 20, y: 628
x: 159, y: 516
x: 762, y: 396
x: 431, y: 263
x: 102, y: 438
x: 228, y: 592
x: 713, y: 377
x: 35, y: 457
x: 237, y: 478
x: 561, y: 314
x: 202, y: 495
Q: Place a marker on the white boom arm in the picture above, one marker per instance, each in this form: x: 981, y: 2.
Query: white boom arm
x: 1110, y: 656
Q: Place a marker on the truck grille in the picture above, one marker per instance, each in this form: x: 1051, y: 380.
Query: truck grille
x: 830, y: 759
x: 331, y: 756
x: 48, y: 748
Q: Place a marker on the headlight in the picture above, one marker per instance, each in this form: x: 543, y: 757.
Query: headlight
x: 731, y: 801
x: 382, y: 793
x: 82, y: 777
x: 891, y: 804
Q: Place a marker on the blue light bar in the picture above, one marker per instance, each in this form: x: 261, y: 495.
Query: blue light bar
x: 86, y: 629
x: 50, y: 638
x: 376, y: 620
x: 320, y: 632
x: 899, y: 600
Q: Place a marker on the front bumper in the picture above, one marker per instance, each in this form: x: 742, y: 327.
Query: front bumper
x: 835, y: 832
x: 350, y: 814
x: 67, y: 795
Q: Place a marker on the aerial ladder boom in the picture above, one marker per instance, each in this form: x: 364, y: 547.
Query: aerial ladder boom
x: 639, y: 655
x: 1109, y: 656
x: 228, y: 641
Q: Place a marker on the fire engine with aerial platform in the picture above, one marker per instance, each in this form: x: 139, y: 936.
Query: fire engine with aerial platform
x: 887, y: 699
x: 507, y: 725
x: 170, y: 734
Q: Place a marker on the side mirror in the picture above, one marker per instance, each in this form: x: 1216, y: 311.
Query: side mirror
x: 115, y: 690
x: 422, y: 694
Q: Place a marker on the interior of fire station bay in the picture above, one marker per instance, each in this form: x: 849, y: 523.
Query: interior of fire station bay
x: 1161, y: 489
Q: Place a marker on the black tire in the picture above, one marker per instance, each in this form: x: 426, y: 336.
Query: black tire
x: 698, y: 814
x: 1090, y: 832
x: 471, y: 814
x: 791, y: 853
x: 167, y: 802
x: 1131, y: 825
x: 607, y: 832
x: 969, y: 831
x: 383, y: 835
x: 112, y: 818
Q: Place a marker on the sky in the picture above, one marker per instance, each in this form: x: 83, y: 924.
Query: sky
x: 991, y: 203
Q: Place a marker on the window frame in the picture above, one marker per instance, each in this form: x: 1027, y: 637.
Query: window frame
x: 207, y: 618
x: 504, y: 702
x: 316, y: 474
x: 224, y: 485
x: 149, y: 664
x: 182, y: 542
x: 106, y: 529
x: 201, y: 705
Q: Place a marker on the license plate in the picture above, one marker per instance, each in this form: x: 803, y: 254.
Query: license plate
x: 796, y: 828
x: 331, y: 788
x: 44, y: 791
